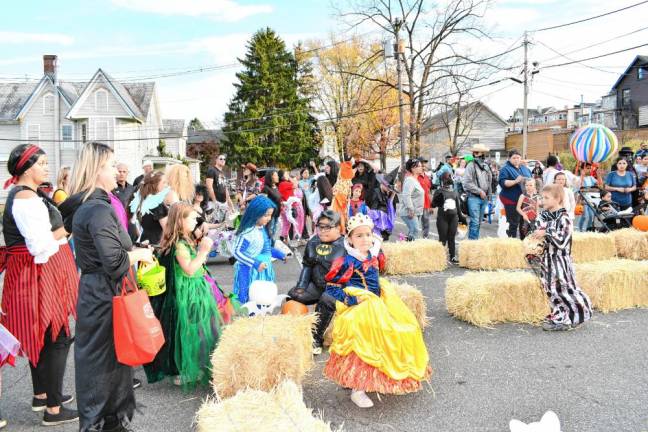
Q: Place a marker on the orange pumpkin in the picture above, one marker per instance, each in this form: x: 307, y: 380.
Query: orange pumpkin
x: 578, y: 210
x: 640, y: 222
x: 293, y: 307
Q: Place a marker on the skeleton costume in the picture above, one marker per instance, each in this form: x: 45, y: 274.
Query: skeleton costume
x: 569, y: 305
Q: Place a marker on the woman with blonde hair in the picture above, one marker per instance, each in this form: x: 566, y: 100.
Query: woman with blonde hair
x: 104, y: 253
x: 181, y: 184
x: 61, y: 193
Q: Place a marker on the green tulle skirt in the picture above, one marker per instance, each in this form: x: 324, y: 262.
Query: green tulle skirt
x: 198, y: 327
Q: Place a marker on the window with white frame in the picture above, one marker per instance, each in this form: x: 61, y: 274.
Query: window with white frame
x: 101, y: 101
x: 101, y: 130
x: 48, y: 104
x: 84, y: 133
x: 67, y: 137
x: 33, y: 133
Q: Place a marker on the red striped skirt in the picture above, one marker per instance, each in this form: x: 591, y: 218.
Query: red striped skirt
x: 37, y: 296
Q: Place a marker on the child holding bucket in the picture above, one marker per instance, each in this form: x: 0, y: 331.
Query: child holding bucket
x: 253, y: 248
x: 570, y: 307
x: 197, y: 300
x: 377, y: 342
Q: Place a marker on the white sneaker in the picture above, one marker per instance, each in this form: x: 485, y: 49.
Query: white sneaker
x: 361, y: 399
x: 177, y: 380
x: 317, y: 350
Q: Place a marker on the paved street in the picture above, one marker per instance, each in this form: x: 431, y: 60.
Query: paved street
x: 595, y: 378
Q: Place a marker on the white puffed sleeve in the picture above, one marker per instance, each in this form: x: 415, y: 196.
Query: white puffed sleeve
x: 32, y: 220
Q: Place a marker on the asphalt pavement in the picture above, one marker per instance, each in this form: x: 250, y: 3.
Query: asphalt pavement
x: 594, y: 378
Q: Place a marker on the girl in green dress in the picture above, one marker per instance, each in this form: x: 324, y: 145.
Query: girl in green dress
x: 198, y: 320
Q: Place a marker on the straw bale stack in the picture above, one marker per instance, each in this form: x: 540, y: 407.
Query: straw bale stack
x: 588, y: 247
x: 281, y: 409
x: 614, y: 285
x: 492, y: 254
x: 487, y: 298
x: 260, y: 352
x: 631, y: 243
x: 419, y: 256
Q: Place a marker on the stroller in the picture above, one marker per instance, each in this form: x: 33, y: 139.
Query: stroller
x: 608, y: 214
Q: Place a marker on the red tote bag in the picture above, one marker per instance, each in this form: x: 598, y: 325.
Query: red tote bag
x: 138, y: 333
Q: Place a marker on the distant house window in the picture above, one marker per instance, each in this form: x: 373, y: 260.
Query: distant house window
x: 67, y: 137
x: 84, y: 132
x: 625, y: 97
x: 101, y: 130
x: 642, y: 71
x: 101, y: 101
x: 48, y: 104
x: 33, y: 133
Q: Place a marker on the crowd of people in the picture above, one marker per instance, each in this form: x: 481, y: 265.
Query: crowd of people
x: 68, y: 254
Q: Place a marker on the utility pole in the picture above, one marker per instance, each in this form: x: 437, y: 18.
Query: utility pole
x: 582, y: 113
x: 397, y: 26
x: 525, y: 124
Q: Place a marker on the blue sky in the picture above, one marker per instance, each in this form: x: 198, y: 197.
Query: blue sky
x: 139, y: 38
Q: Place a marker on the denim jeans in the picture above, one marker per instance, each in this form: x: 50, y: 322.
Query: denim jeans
x: 586, y: 219
x: 413, y: 228
x: 476, y: 207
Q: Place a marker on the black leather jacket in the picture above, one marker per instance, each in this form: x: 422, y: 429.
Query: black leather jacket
x: 318, y: 257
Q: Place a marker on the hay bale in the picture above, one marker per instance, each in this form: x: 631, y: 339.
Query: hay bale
x: 487, y: 298
x: 414, y: 300
x: 419, y: 256
x: 411, y: 296
x: 588, y: 247
x: 282, y: 409
x: 492, y: 254
x: 260, y: 352
x: 631, y: 243
x: 614, y: 285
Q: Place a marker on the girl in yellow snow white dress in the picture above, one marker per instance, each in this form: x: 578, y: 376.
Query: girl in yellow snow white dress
x: 377, y: 342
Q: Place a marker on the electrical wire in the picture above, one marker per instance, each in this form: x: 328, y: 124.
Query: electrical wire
x: 590, y: 18
x: 239, y: 131
x: 594, y: 57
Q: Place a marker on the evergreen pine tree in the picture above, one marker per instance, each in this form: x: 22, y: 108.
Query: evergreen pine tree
x: 268, y: 121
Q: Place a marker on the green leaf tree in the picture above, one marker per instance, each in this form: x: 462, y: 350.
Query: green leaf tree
x: 268, y: 121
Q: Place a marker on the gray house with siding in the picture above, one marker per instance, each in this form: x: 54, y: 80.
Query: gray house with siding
x: 478, y: 125
x: 61, y: 115
x: 631, y: 95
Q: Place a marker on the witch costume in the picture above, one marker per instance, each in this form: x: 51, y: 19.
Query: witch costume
x: 104, y: 386
x: 569, y: 304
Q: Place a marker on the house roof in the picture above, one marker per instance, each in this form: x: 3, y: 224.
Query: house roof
x: 637, y: 59
x: 172, y: 126
x: 137, y: 96
x: 434, y: 122
x: 203, y: 136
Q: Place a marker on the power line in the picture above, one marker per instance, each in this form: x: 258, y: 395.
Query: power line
x: 324, y: 120
x: 571, y: 59
x: 595, y: 57
x: 591, y: 18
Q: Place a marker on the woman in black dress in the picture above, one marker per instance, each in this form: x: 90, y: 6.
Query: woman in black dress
x: 104, y: 253
x: 151, y: 208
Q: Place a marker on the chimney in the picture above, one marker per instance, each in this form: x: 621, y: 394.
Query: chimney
x: 50, y: 65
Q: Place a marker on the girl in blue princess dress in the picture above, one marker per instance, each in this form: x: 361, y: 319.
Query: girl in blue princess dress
x: 253, y: 248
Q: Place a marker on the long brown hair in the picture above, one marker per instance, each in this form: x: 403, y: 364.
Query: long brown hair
x: 173, y: 229
x: 150, y: 184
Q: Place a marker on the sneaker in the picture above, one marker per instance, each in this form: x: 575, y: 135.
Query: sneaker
x: 65, y: 415
x: 136, y: 383
x: 3, y: 422
x: 454, y: 261
x: 317, y: 350
x: 40, y: 404
x: 554, y: 326
x: 361, y: 399
x: 177, y: 381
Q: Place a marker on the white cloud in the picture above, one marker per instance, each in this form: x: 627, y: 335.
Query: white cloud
x: 9, y: 37
x: 218, y: 10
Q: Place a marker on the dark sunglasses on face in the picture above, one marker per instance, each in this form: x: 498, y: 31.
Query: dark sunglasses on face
x: 324, y: 228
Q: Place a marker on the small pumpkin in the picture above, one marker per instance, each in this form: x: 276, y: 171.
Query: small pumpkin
x: 293, y: 307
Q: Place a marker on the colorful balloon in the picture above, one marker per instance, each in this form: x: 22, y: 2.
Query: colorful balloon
x: 593, y: 143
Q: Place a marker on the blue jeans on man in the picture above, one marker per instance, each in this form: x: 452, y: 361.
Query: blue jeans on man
x: 476, y: 207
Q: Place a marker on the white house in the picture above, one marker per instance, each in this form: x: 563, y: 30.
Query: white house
x: 478, y: 125
x: 61, y: 115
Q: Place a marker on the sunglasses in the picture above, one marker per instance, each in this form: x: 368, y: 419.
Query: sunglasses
x: 325, y: 228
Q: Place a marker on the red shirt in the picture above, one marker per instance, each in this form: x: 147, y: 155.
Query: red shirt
x: 426, y: 184
x: 286, y: 189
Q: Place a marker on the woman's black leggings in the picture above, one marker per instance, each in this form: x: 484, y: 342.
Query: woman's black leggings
x: 447, y: 229
x: 47, y: 376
